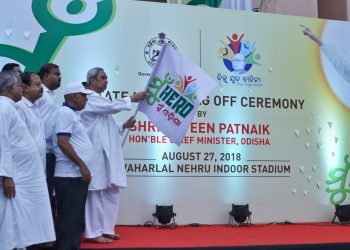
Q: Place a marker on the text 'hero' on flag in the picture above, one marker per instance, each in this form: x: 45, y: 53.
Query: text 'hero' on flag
x: 175, y: 89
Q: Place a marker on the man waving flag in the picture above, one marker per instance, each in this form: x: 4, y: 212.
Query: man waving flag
x: 175, y: 89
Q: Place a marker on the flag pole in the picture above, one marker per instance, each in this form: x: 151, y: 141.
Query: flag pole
x: 148, y: 82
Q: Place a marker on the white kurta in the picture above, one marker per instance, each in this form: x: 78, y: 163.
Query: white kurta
x: 30, y: 114
x: 26, y: 219
x: 340, y: 62
x: 106, y: 136
x: 48, y: 111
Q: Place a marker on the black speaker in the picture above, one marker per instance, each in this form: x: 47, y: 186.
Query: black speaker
x: 164, y: 215
x: 240, y: 214
x: 342, y: 212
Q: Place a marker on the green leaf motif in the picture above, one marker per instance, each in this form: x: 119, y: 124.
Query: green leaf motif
x: 155, y: 86
x: 57, y: 31
x: 338, y: 175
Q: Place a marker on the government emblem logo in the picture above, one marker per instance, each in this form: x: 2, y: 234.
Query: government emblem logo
x: 153, y: 47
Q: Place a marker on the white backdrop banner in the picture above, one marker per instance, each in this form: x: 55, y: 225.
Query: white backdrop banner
x: 274, y: 134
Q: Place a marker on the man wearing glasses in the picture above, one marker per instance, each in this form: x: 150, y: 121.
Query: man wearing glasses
x: 25, y: 214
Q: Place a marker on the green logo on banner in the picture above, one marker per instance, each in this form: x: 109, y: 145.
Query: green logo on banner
x: 57, y: 31
x: 338, y: 175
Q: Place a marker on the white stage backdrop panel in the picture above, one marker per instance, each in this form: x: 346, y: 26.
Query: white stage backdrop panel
x: 274, y: 134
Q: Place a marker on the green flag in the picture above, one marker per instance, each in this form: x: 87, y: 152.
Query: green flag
x: 211, y: 3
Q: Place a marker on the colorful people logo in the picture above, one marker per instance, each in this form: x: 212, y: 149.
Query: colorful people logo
x: 57, y: 30
x: 238, y: 55
x: 175, y: 99
x: 187, y: 87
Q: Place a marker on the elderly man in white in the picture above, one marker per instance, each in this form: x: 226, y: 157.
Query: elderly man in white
x: 108, y: 168
x: 25, y: 214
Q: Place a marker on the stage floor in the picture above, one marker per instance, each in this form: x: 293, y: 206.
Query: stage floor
x: 265, y: 236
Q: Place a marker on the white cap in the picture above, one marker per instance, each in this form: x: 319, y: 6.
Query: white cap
x: 76, y: 87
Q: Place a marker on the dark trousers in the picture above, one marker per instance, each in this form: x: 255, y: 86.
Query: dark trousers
x: 50, y: 172
x: 35, y: 247
x: 71, y: 194
x: 40, y: 247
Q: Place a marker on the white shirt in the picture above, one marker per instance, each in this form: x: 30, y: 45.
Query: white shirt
x: 48, y: 109
x: 108, y: 166
x: 26, y: 219
x: 30, y: 114
x: 68, y: 123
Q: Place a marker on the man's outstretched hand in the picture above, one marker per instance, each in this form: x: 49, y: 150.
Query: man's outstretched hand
x: 138, y: 96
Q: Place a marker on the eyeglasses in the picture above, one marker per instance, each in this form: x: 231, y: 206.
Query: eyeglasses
x: 18, y: 85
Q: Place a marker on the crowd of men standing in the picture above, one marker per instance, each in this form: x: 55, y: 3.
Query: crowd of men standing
x: 61, y: 166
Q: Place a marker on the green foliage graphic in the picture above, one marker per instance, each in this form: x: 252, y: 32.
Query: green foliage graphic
x: 156, y: 85
x: 57, y: 31
x: 338, y: 175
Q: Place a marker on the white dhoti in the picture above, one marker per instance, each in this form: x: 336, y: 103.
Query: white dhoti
x: 108, y: 168
x: 101, y: 212
x: 7, y: 231
x: 26, y: 219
